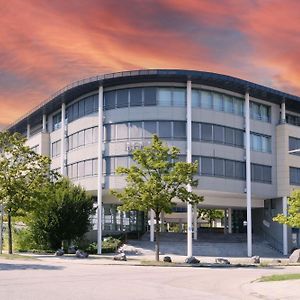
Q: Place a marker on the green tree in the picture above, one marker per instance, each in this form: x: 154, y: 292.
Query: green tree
x: 156, y: 180
x: 210, y: 214
x: 22, y: 174
x: 63, y: 215
x: 293, y: 217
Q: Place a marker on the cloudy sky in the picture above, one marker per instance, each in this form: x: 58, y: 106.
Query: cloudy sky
x: 44, y: 45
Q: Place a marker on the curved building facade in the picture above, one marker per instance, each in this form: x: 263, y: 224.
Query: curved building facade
x: 241, y: 133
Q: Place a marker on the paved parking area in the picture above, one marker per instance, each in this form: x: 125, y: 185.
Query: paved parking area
x: 65, y: 278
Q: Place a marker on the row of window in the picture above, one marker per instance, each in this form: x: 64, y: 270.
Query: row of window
x: 294, y: 120
x: 219, y: 167
x: 177, y: 130
x: 294, y: 144
x: 208, y: 166
x: 153, y: 96
x: 82, y: 137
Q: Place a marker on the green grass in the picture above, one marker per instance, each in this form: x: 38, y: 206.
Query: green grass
x: 16, y: 257
x: 279, y: 277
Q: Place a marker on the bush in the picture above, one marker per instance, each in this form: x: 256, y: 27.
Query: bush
x: 109, y: 245
x: 23, y: 240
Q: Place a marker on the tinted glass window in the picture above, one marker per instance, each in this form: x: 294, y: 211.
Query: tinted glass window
x: 195, y: 131
x: 110, y: 100
x: 294, y: 176
x: 218, y: 102
x: 136, y: 97
x: 149, y: 129
x: 88, y: 136
x: 206, y: 99
x: 206, y: 132
x: 218, y: 134
x: 164, y: 97
x: 88, y: 167
x: 122, y: 98
x: 229, y: 136
x: 165, y: 129
x: 229, y: 168
x: 195, y: 98
x: 239, y: 138
x: 89, y: 105
x: 122, y: 131
x: 240, y: 170
x: 228, y: 104
x: 219, y: 167
x: 81, y: 108
x: 179, y: 97
x: 149, y: 96
x: 136, y: 130
x: 206, y: 166
x: 179, y: 130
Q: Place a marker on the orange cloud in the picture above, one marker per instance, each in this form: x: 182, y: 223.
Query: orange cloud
x: 45, y: 45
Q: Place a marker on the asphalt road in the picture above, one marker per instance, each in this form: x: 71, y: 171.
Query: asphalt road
x: 54, y: 278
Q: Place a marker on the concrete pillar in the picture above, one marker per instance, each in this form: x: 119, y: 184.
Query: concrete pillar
x: 284, y: 227
x: 189, y: 160
x: 28, y: 131
x: 63, y: 140
x: 44, y: 123
x: 283, y: 114
x: 195, y: 222
x: 168, y: 226
x: 151, y: 225
x: 100, y: 167
x: 229, y: 220
x: 248, y: 175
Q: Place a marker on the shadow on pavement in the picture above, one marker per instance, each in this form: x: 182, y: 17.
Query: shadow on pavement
x: 14, y: 267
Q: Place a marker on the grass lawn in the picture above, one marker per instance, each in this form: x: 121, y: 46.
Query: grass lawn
x: 16, y: 256
x: 279, y: 277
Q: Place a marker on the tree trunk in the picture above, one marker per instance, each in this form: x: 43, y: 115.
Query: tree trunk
x: 9, y: 234
x: 157, y: 228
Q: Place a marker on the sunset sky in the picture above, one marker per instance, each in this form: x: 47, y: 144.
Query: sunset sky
x: 44, y: 45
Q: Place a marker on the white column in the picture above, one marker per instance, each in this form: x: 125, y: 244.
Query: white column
x: 151, y: 225
x: 284, y: 227
x: 248, y: 175
x: 195, y: 222
x: 28, y: 131
x: 283, y: 115
x: 229, y: 220
x: 44, y: 124
x: 100, y: 167
x: 63, y: 140
x: 189, y: 160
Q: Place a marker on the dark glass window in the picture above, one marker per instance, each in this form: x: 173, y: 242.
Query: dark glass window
x: 294, y: 144
x: 229, y: 136
x: 89, y: 105
x: 239, y: 138
x: 110, y: 100
x: 218, y: 134
x: 206, y: 166
x: 149, y: 96
x: 110, y: 132
x: 81, y: 108
x: 219, y: 167
x: 195, y: 131
x: 229, y: 168
x: 206, y: 132
x: 240, y: 171
x: 164, y: 129
x: 149, y: 129
x: 136, y: 97
x: 179, y: 130
x: 122, y: 98
x: 75, y: 111
x: 294, y: 176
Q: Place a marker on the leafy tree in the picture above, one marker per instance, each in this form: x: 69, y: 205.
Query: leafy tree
x: 293, y: 217
x: 210, y: 214
x: 156, y: 180
x: 63, y: 215
x: 22, y: 175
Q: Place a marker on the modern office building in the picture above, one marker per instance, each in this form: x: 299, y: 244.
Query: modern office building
x: 239, y: 132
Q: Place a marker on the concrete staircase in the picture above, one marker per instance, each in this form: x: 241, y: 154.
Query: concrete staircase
x: 208, y: 244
